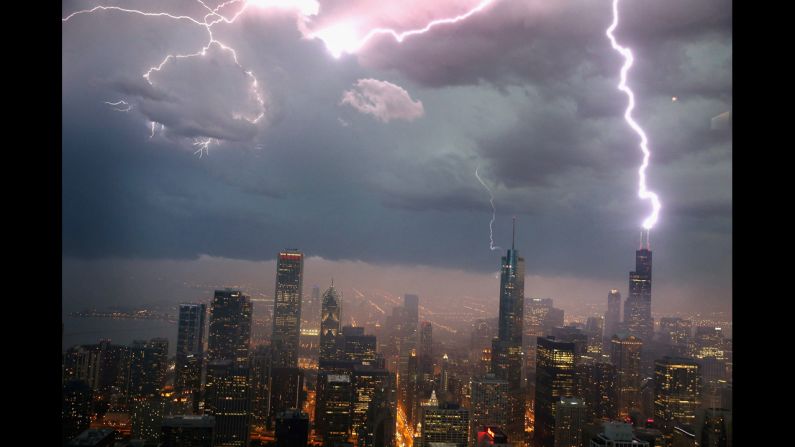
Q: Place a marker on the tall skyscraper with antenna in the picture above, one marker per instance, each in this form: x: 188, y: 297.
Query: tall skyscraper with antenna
x: 506, y: 351
x: 637, y: 308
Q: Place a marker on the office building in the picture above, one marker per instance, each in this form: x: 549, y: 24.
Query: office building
x: 230, y: 327
x: 292, y: 429
x: 287, y: 308
x: 190, y: 347
x: 555, y: 379
x: 445, y: 423
x: 228, y: 399
x: 489, y: 402
x: 677, y: 392
x: 570, y: 416
x: 625, y: 356
x: 187, y: 431
x: 617, y: 434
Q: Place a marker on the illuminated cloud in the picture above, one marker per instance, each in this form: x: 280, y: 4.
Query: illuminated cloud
x: 384, y: 100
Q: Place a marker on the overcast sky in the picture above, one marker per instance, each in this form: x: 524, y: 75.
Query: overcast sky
x: 369, y: 159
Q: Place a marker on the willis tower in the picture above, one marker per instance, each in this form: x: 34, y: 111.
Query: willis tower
x: 637, y: 308
x: 506, y: 357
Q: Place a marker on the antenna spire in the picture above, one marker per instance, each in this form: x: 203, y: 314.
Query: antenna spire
x: 513, y: 237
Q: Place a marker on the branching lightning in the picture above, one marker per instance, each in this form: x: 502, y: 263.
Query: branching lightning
x: 493, y: 212
x: 338, y: 39
x: 203, y: 145
x: 120, y: 106
x: 643, y: 192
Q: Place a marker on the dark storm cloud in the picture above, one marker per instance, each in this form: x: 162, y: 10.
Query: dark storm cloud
x: 527, y: 93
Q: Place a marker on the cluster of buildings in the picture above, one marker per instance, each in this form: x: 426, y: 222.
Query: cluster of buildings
x: 525, y: 379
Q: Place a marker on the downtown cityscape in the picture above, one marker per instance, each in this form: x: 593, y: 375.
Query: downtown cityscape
x: 523, y: 378
x: 457, y: 223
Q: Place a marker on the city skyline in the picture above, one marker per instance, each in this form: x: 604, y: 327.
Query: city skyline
x: 396, y: 224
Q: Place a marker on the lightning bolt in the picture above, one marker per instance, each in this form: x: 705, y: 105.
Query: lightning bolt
x: 203, y: 145
x: 493, y: 212
x: 643, y: 192
x: 338, y: 39
x: 116, y: 105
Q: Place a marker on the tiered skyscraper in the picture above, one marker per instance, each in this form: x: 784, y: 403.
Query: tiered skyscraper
x: 330, y: 324
x: 637, y: 308
x: 506, y: 351
x: 287, y: 308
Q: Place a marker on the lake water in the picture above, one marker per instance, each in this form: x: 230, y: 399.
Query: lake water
x: 121, y: 332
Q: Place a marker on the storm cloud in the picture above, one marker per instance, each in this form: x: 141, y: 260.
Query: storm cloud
x: 524, y: 90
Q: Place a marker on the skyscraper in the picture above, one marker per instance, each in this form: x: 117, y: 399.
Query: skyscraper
x: 597, y: 384
x: 612, y: 316
x: 426, y: 351
x: 677, y: 392
x: 570, y: 416
x: 555, y: 378
x: 625, y: 355
x: 506, y: 350
x: 292, y: 429
x: 370, y: 391
x: 187, y: 431
x: 507, y: 347
x: 676, y: 333
x: 228, y: 399
x: 148, y: 365
x: 260, y: 381
x: 76, y: 408
x: 330, y: 324
x: 447, y: 423
x: 230, y: 327
x: 637, y: 309
x: 287, y: 308
x: 489, y: 403
x: 333, y: 412
x: 356, y: 346
x: 190, y: 349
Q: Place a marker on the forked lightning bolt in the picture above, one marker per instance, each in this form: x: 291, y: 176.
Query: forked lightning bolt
x: 493, y: 212
x: 643, y: 192
x: 120, y: 106
x: 338, y: 39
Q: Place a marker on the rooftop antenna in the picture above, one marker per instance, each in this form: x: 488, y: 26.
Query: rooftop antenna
x: 513, y: 237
